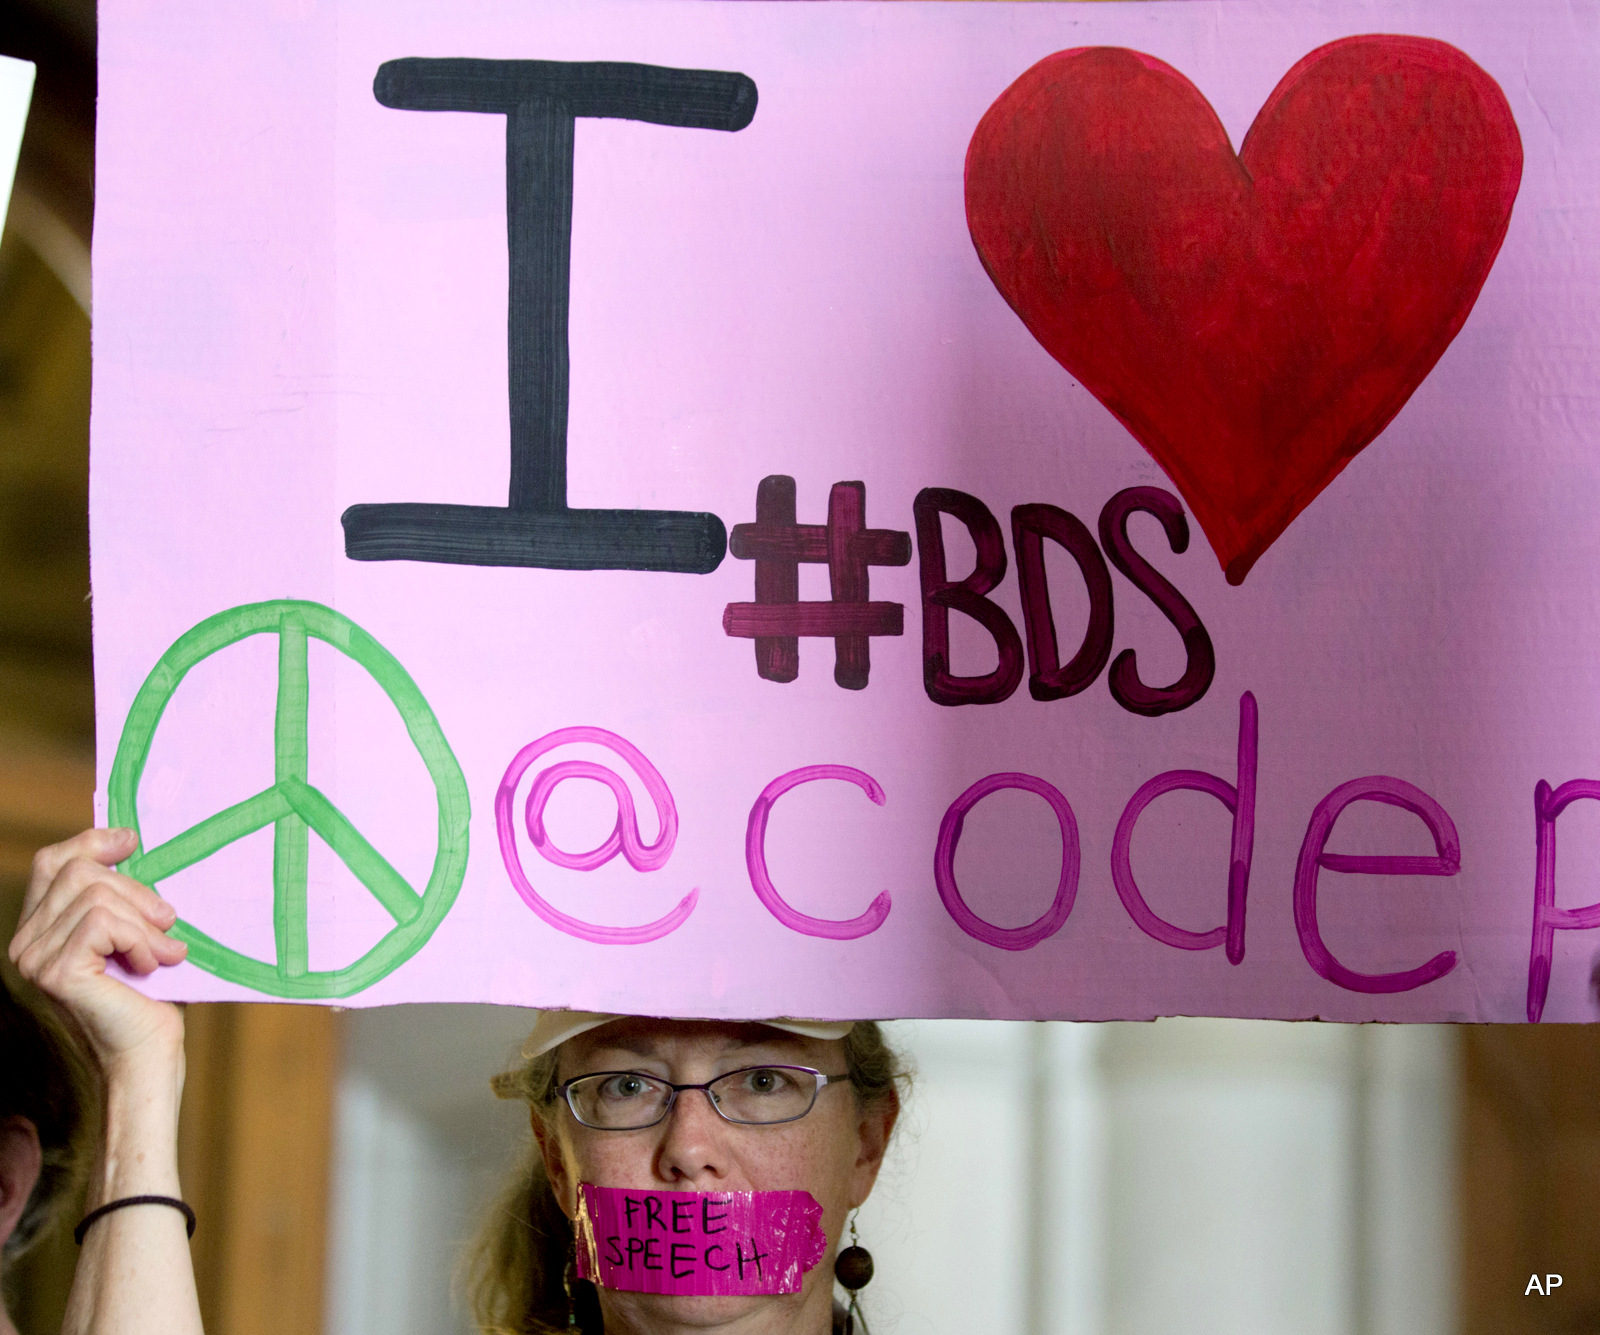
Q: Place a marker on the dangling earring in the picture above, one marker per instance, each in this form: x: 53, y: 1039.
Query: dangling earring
x: 569, y: 1277
x: 853, y: 1269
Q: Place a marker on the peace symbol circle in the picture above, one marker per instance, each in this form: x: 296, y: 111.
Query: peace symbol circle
x: 293, y: 807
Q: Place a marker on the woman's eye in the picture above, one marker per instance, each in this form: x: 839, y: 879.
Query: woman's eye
x: 765, y: 1081
x: 623, y: 1087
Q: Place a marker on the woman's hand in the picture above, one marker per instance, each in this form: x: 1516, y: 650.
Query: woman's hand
x: 133, y: 1275
x: 78, y: 914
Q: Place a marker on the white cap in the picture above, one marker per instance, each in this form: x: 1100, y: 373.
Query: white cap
x: 553, y: 1028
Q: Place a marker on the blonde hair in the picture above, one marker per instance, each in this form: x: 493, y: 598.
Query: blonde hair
x: 515, y: 1269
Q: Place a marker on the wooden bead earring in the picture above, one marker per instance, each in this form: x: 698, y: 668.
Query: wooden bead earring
x: 852, y: 1267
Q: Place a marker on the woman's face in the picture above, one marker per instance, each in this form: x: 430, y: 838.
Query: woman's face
x: 833, y: 1152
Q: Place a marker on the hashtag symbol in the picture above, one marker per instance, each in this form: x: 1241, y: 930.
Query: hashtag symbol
x: 778, y: 545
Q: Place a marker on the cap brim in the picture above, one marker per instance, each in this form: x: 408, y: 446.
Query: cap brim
x: 555, y: 1027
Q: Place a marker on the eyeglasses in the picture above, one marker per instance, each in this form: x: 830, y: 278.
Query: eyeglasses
x: 751, y: 1096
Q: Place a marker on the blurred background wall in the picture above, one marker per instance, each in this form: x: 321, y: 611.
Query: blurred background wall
x: 1190, y: 1176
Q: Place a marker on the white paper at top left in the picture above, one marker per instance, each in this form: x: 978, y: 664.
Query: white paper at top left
x: 16, y: 91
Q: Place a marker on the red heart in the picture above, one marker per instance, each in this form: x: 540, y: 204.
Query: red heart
x: 1254, y: 319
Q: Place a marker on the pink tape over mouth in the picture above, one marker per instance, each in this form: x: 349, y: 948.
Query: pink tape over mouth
x: 697, y: 1243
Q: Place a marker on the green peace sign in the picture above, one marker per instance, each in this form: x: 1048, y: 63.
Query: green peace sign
x: 294, y: 807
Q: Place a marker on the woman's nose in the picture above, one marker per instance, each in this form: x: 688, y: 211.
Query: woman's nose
x: 694, y: 1146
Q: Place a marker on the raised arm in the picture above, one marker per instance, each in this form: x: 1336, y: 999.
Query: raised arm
x: 134, y: 1274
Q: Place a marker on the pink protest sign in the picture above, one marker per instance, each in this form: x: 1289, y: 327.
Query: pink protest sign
x: 698, y: 1242
x: 744, y: 509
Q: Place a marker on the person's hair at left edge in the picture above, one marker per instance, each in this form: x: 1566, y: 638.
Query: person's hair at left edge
x: 44, y: 1079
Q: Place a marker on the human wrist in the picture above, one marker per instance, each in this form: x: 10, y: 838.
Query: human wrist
x: 140, y: 1155
x: 155, y: 1063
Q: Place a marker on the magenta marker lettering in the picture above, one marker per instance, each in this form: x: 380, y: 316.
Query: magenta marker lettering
x: 624, y: 839
x: 1314, y: 859
x: 773, y: 1239
x: 944, y: 864
x: 755, y: 853
x: 1547, y: 917
x: 1241, y: 804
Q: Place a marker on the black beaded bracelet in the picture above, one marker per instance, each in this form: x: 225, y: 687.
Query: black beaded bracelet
x: 109, y: 1206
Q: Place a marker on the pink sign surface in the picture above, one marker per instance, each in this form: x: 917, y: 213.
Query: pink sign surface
x: 698, y: 1242
x: 744, y: 509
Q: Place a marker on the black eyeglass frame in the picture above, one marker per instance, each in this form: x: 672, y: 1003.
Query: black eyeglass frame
x: 823, y: 1081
